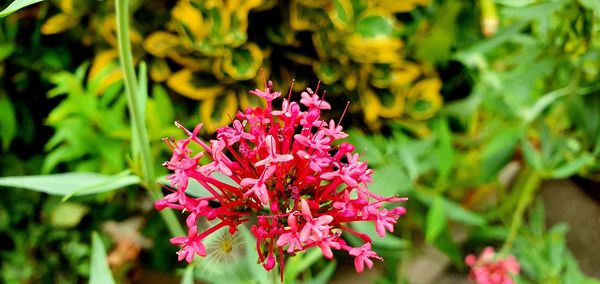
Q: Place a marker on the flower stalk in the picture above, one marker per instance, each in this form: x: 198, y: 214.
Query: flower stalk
x: 136, y: 114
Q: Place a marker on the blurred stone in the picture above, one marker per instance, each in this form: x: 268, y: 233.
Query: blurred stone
x: 568, y: 203
x: 427, y: 267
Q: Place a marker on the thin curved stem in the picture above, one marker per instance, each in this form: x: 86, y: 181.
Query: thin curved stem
x: 136, y: 113
x: 527, y: 185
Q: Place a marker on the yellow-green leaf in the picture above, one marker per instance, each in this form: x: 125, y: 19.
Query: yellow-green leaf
x: 68, y: 214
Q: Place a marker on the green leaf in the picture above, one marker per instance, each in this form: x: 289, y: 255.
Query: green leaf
x: 542, y: 103
x: 366, y: 144
x: 8, y: 122
x: 162, y: 100
x: 69, y: 184
x: 188, y: 275
x: 390, y: 180
x: 325, y: 274
x: 537, y: 223
x: 485, y: 234
x: 498, y: 152
x: 375, y: 26
x: 16, y: 5
x: 435, y: 44
x: 452, y: 210
x: 257, y: 272
x: 445, y: 152
x: 6, y: 49
x: 472, y: 56
x: 295, y: 265
x: 142, y: 98
x: 68, y: 214
x: 571, y: 167
x: 592, y: 4
x: 436, y: 221
x: 532, y: 156
x: 99, y: 270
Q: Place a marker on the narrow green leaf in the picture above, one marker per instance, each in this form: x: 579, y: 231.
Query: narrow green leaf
x: 6, y: 49
x: 485, y: 234
x: 532, y: 156
x: 537, y: 221
x: 532, y: 113
x: 452, y: 210
x: 188, y: 275
x: 68, y: 184
x: 571, y: 167
x: 498, y: 152
x: 296, y: 264
x: 445, y: 152
x: 436, y: 221
x: 325, y: 274
x: 8, y: 122
x: 142, y: 86
x: 17, y: 5
x: 99, y: 270
x: 142, y: 98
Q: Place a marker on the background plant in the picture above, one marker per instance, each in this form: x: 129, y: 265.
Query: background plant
x: 520, y: 94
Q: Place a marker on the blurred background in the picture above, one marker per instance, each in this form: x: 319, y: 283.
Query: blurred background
x: 485, y: 113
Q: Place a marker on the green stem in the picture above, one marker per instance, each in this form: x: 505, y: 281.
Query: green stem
x: 527, y: 184
x: 136, y: 113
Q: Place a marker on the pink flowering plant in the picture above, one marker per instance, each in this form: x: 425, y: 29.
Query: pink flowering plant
x: 293, y: 183
x: 490, y: 268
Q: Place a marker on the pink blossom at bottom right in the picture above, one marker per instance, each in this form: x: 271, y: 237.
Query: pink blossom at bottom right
x: 489, y: 268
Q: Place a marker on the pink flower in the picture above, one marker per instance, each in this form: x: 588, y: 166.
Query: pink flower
x: 190, y: 245
x: 290, y: 237
x: 362, y: 255
x: 258, y: 188
x: 319, y: 141
x: 267, y: 93
x: 289, y: 176
x: 335, y: 131
x: 272, y: 156
x: 314, y: 228
x: 233, y: 134
x: 311, y: 99
x: 491, y: 269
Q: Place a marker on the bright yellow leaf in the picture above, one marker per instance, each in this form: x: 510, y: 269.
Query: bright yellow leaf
x: 159, y: 70
x: 243, y: 63
x: 191, y: 20
x: 424, y: 99
x: 59, y: 23
x: 194, y: 87
x: 161, y: 44
x: 217, y: 112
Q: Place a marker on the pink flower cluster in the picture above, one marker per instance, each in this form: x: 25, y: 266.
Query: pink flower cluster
x: 489, y: 269
x: 292, y: 180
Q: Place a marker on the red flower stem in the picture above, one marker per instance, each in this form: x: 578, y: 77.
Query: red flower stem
x: 362, y: 236
x: 211, y: 230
